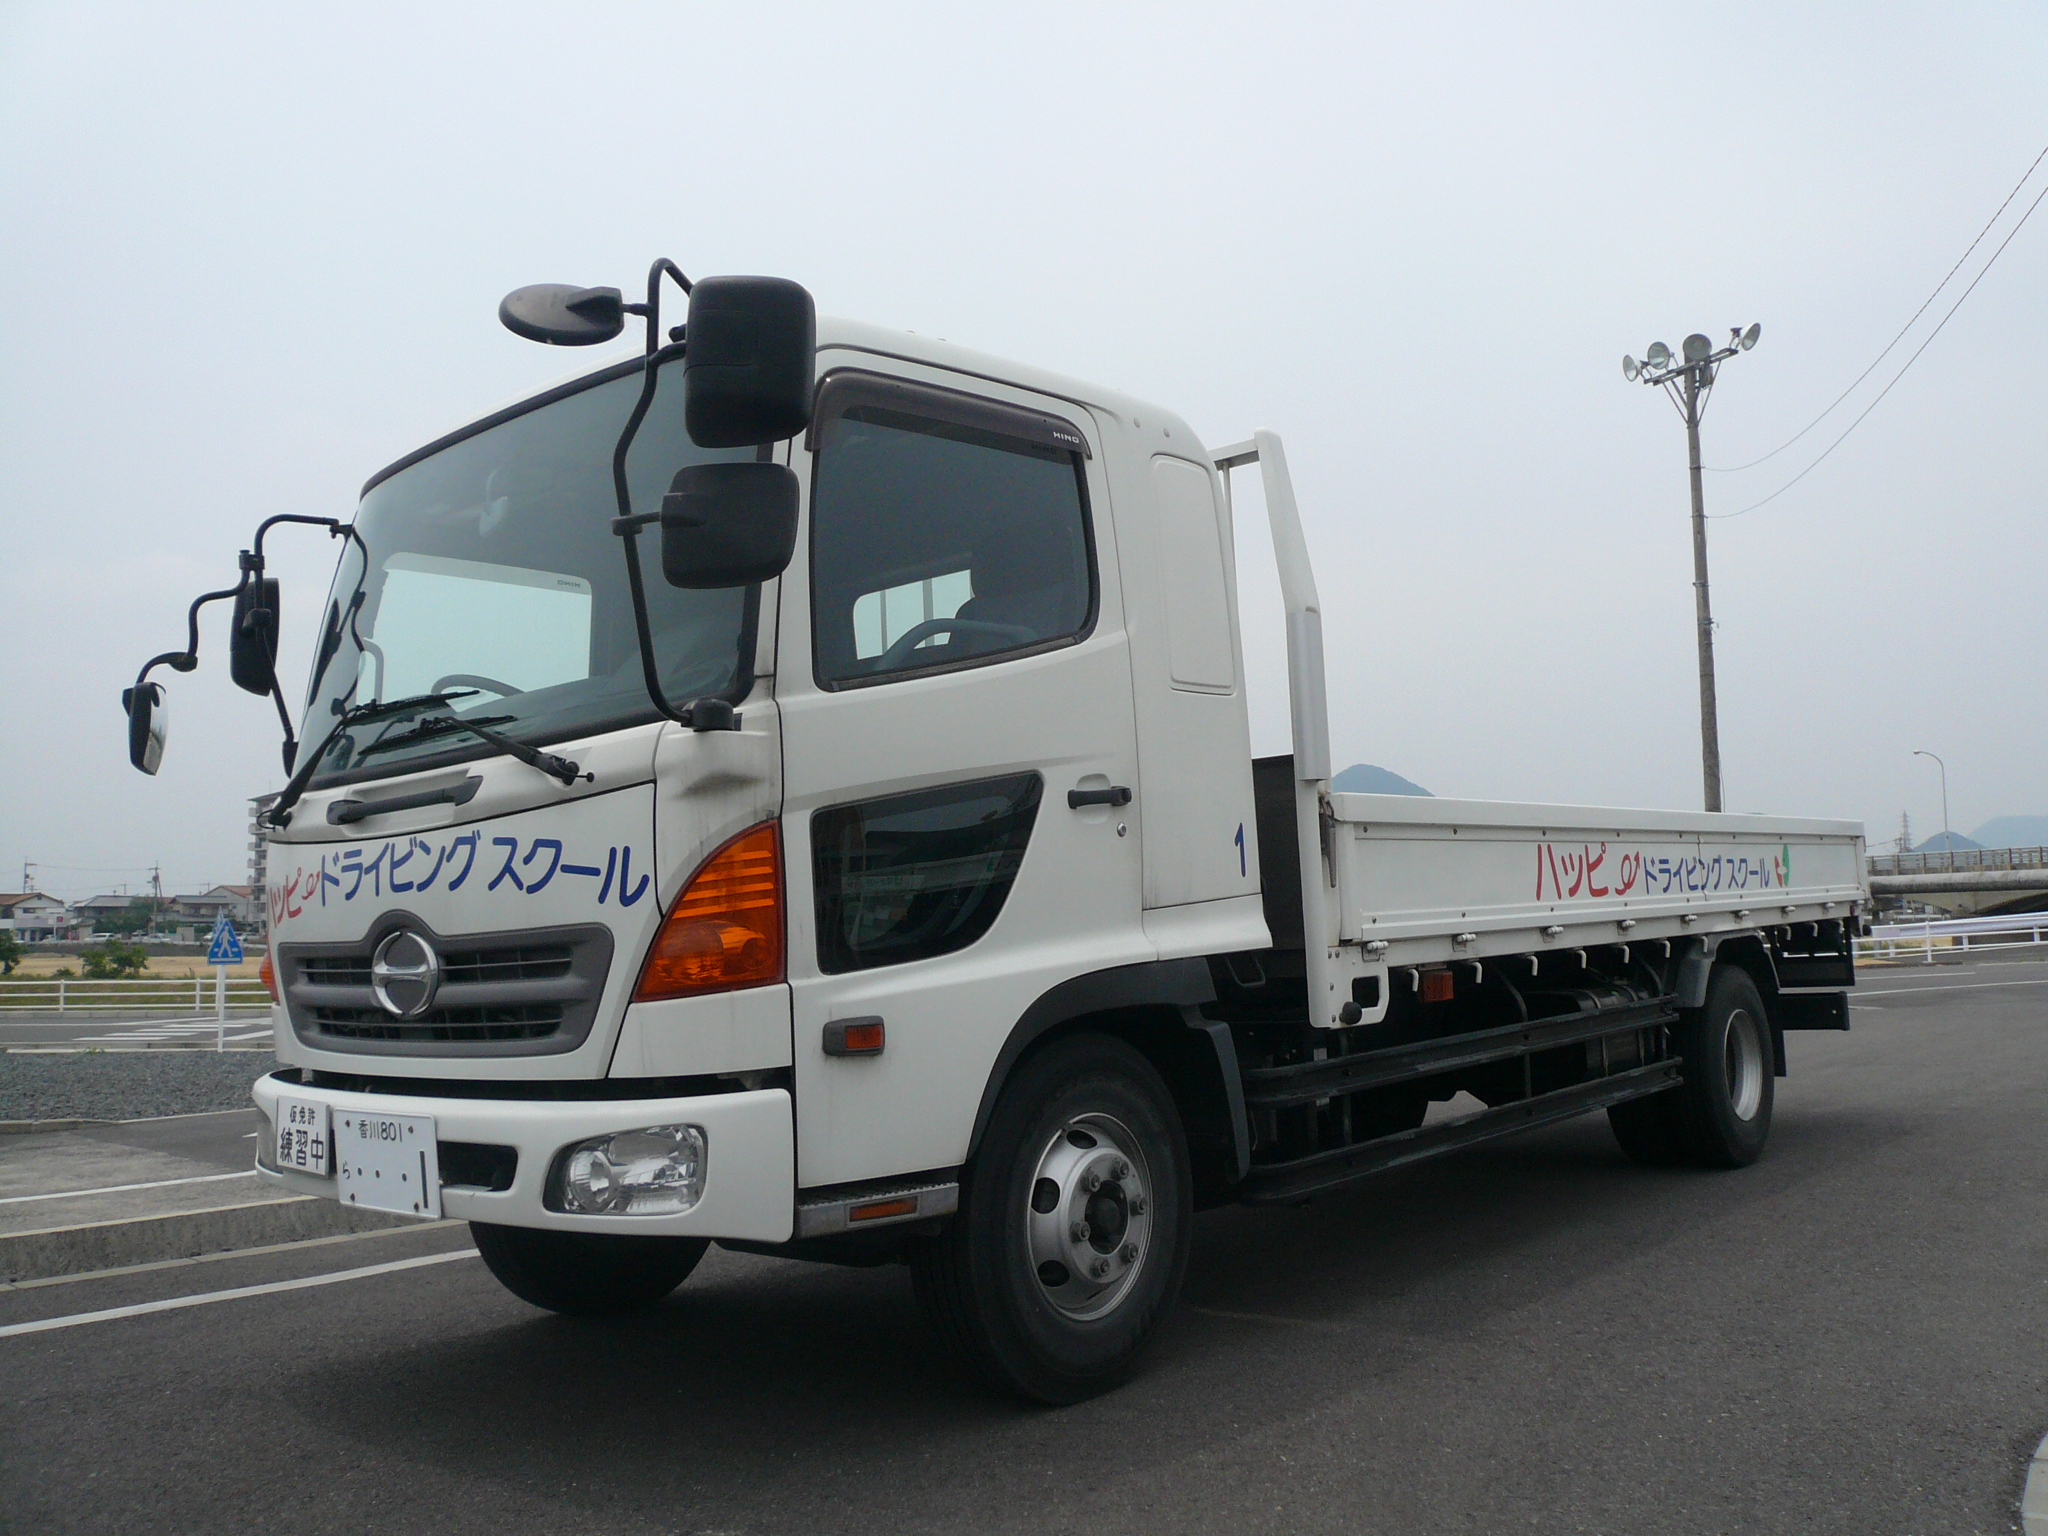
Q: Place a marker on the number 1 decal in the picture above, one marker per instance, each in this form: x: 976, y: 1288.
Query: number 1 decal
x: 1240, y: 849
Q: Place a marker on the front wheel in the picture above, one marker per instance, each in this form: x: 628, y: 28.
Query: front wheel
x: 1075, y: 1221
x: 586, y: 1274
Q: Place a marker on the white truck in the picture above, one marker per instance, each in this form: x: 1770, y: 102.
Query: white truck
x: 889, y: 878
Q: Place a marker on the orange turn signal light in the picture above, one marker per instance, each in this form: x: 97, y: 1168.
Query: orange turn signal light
x: 268, y: 973
x: 725, y: 930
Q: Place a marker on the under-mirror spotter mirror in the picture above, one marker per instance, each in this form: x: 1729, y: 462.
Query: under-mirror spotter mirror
x: 148, y: 725
x: 728, y: 525
x: 563, y: 315
x: 752, y: 346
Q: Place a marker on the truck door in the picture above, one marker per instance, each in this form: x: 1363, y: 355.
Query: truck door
x: 952, y: 664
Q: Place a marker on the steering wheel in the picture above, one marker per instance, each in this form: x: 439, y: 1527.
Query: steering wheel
x: 471, y: 680
x: 917, y: 634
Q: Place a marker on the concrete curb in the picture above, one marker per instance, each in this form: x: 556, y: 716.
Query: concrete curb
x: 116, y: 1244
x: 2034, y: 1502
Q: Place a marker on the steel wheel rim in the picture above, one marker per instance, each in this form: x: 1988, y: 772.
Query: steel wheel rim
x: 1087, y: 1244
x: 1745, y: 1064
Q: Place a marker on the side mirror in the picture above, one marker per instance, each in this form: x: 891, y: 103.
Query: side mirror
x: 751, y: 350
x: 147, y: 725
x: 252, y: 636
x: 563, y: 315
x: 728, y: 525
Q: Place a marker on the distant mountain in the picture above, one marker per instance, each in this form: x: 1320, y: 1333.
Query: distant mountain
x: 2013, y: 832
x: 1365, y: 779
x: 1947, y: 842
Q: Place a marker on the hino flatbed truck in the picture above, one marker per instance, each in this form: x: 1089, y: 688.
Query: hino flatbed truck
x: 791, y: 788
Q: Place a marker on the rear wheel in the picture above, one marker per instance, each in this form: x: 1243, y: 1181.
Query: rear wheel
x: 1720, y: 1116
x: 586, y: 1274
x: 1075, y: 1219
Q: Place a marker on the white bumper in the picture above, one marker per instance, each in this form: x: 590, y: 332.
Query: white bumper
x: 749, y: 1165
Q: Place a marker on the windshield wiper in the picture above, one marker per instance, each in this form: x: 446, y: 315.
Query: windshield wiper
x: 280, y: 813
x: 440, y: 725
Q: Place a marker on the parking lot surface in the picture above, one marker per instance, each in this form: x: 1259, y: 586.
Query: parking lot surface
x: 1847, y: 1337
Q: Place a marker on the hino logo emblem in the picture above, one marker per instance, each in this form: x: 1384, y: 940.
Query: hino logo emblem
x: 405, y: 973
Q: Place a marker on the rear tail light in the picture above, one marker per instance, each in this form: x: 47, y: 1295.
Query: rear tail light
x: 725, y: 929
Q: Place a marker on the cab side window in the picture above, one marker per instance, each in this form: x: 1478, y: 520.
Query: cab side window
x: 946, y: 531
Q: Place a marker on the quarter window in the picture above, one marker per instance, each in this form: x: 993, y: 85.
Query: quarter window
x: 945, y: 531
x: 910, y: 876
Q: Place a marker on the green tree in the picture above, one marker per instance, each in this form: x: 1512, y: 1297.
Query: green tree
x: 140, y: 914
x: 114, y: 959
x: 10, y: 952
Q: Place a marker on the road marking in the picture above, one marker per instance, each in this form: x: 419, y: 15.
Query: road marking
x: 115, y: 1189
x: 1966, y: 986
x: 225, y: 1254
x: 142, y: 1308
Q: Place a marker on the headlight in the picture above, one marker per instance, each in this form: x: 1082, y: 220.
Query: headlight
x: 655, y: 1171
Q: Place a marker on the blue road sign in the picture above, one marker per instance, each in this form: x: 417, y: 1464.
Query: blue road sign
x: 226, y: 948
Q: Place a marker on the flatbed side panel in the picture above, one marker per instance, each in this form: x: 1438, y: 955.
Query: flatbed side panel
x: 1462, y: 879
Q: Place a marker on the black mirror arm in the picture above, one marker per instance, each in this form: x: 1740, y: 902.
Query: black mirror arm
x: 627, y: 526
x: 187, y: 659
x: 652, y: 308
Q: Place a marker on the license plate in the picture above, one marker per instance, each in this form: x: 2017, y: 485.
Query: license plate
x: 388, y: 1162
x: 302, y: 1137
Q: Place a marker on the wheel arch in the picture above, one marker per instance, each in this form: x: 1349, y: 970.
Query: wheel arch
x: 1155, y: 1008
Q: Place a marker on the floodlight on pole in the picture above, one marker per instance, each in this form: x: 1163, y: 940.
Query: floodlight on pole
x: 1688, y: 383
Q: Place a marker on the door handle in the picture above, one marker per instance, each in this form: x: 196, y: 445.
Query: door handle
x: 1116, y: 794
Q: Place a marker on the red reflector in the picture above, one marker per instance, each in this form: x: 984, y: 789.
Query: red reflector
x: 1436, y: 986
x: 881, y: 1208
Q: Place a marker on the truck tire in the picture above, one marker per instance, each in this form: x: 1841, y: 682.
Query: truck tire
x: 586, y: 1274
x: 1076, y: 1214
x: 1725, y: 1104
x: 1720, y: 1116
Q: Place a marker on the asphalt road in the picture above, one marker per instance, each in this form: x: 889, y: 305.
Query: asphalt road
x: 1848, y: 1337
x: 246, y: 1028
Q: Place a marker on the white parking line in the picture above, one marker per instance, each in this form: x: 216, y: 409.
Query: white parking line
x: 115, y: 1189
x: 1967, y: 986
x: 78, y: 1319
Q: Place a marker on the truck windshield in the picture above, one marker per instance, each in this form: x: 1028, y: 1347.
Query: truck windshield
x: 487, y: 573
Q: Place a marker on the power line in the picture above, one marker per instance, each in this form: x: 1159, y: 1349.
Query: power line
x: 1831, y: 447
x: 1866, y: 373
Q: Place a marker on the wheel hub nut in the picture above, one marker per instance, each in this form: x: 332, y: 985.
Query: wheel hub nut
x: 1129, y: 1254
x: 1078, y: 1231
x: 1093, y: 1182
x: 1122, y: 1170
x: 1137, y: 1205
x: 1100, y: 1268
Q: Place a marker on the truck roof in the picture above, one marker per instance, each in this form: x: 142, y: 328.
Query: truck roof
x: 835, y: 333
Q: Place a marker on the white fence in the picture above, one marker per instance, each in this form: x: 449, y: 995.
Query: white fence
x: 1904, y: 941
x: 64, y: 994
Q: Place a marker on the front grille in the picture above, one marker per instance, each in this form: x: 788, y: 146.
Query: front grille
x: 542, y: 962
x: 527, y: 993
x: 507, y: 1021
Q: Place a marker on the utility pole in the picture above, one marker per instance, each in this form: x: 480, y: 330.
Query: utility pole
x: 1710, y: 710
x: 1688, y: 383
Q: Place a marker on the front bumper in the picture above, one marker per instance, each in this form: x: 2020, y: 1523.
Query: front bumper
x: 749, y: 1164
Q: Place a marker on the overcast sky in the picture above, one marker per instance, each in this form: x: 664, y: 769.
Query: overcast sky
x: 253, y: 254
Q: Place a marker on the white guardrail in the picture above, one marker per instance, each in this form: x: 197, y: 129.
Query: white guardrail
x: 71, y: 994
x: 1895, y: 941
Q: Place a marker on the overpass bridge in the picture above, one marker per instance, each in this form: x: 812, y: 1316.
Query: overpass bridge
x: 1967, y: 882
